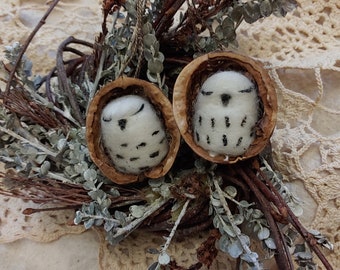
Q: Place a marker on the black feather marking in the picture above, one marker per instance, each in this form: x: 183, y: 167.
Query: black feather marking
x: 155, y: 133
x: 208, y: 139
x: 227, y: 121
x: 143, y: 168
x: 239, y: 141
x: 212, y: 120
x: 244, y: 121
x: 134, y: 158
x: 119, y: 156
x: 225, y: 98
x: 225, y: 140
x: 124, y: 145
x: 122, y: 123
x: 140, y: 109
x: 154, y: 154
x: 197, y: 136
x: 143, y: 144
x: 200, y: 120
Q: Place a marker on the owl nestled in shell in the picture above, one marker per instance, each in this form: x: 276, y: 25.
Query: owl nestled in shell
x: 225, y: 106
x: 225, y: 114
x: 133, y: 134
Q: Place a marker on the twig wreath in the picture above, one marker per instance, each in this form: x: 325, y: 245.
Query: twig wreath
x: 105, y: 138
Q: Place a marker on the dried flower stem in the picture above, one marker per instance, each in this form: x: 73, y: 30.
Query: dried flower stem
x: 35, y: 144
x: 174, y: 228
x: 125, y: 231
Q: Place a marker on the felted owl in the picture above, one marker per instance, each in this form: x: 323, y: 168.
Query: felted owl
x: 225, y: 114
x: 132, y: 134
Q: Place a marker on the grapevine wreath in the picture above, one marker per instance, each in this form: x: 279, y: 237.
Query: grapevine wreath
x: 161, y: 128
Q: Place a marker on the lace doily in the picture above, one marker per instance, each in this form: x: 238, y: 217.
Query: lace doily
x: 302, y: 54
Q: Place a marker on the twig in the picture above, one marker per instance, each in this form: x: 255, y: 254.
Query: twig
x: 63, y: 80
x: 24, y: 140
x: 231, y: 221
x: 134, y: 224
x: 295, y: 222
x: 136, y: 42
x: 283, y: 258
x: 173, y: 230
x: 164, y: 20
x: 28, y: 41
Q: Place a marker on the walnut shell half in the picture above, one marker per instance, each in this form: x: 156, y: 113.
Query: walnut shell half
x: 189, y: 83
x: 121, y: 87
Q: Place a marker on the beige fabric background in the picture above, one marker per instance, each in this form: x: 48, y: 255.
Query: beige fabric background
x: 302, y: 53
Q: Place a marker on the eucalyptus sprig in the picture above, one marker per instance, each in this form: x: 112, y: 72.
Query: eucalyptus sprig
x: 232, y: 241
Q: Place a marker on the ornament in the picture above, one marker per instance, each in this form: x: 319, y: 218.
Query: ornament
x: 131, y: 132
x: 225, y: 106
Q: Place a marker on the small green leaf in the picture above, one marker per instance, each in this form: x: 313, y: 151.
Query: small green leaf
x: 215, y: 202
x: 109, y: 224
x: 155, y: 66
x: 263, y: 233
x: 137, y: 211
x: 265, y: 8
x: 250, y: 258
x: 231, y: 191
x: 89, y: 223
x: 235, y: 249
x: 223, y: 243
x: 238, y: 219
x: 163, y: 258
x: 270, y: 243
x: 90, y: 175
x: 304, y: 255
x: 149, y: 40
x: 45, y: 167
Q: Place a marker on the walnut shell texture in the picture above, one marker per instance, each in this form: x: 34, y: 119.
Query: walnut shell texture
x: 130, y: 86
x: 189, y: 83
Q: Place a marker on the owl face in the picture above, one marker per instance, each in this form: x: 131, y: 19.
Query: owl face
x: 132, y: 134
x: 225, y: 114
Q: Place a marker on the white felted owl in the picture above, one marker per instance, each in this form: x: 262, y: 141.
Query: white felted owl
x: 225, y: 113
x: 133, y: 134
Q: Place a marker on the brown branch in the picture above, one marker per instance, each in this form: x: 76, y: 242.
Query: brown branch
x: 63, y: 77
x: 273, y: 196
x: 165, y: 17
x: 282, y: 255
x: 309, y: 238
x: 28, y: 41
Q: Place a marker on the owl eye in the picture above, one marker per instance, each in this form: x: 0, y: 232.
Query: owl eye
x: 206, y: 93
x: 140, y: 109
x: 248, y: 90
x: 107, y: 119
x: 225, y: 98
